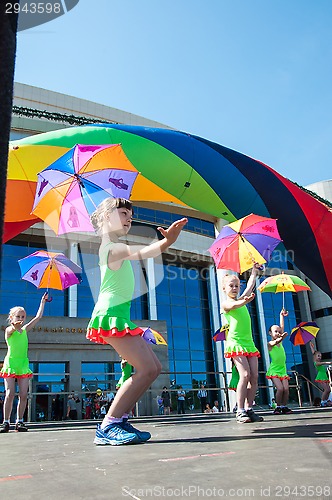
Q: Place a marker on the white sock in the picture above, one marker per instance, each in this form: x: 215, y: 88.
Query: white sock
x: 110, y: 420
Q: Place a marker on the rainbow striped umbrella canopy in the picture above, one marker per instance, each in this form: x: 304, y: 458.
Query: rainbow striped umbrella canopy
x: 190, y: 172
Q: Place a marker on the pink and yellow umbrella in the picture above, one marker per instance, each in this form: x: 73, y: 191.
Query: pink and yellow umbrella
x: 245, y: 242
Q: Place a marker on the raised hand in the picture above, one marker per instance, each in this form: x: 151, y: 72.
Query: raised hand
x: 171, y: 234
x: 249, y: 298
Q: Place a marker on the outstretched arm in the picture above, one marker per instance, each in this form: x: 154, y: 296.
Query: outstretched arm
x: 283, y: 313
x: 278, y: 340
x: 39, y: 314
x: 312, y: 347
x: 121, y: 251
x: 251, y: 283
x: 229, y: 305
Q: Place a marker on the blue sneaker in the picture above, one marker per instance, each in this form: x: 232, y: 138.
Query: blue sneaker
x: 115, y: 435
x: 142, y: 436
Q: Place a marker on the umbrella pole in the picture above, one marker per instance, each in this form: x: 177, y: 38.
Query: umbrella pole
x: 283, y: 299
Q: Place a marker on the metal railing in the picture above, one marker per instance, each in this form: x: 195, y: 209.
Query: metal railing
x: 106, y: 382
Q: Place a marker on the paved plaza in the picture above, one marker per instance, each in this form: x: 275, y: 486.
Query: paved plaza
x: 196, y: 456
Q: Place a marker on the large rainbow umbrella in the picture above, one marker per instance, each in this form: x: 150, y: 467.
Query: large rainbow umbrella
x: 189, y: 171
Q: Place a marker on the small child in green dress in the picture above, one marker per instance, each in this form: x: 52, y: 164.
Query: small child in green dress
x: 277, y: 371
x: 239, y: 344
x: 16, y: 363
x: 110, y: 322
x: 322, y: 377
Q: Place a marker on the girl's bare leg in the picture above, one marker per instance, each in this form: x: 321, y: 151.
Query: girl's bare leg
x: 326, y: 391
x: 147, y: 368
x: 280, y: 391
x: 23, y: 385
x: 252, y: 388
x: 158, y: 368
x: 243, y: 368
x: 10, y: 394
x: 285, y: 396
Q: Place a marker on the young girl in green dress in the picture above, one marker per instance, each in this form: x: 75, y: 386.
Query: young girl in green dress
x: 322, y: 377
x: 16, y: 363
x: 239, y: 344
x: 110, y: 322
x: 277, y: 371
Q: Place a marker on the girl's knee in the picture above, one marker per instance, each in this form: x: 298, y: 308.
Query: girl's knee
x: 158, y: 367
x: 10, y: 394
x: 245, y: 376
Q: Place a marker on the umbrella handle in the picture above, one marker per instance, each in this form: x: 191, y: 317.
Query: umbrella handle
x: 49, y: 297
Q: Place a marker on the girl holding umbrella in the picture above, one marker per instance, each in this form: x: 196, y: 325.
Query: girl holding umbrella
x: 16, y: 363
x: 277, y: 371
x: 322, y: 377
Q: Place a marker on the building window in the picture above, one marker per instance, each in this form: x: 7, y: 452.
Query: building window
x: 182, y: 301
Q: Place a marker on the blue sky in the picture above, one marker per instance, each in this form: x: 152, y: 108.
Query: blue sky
x: 252, y: 75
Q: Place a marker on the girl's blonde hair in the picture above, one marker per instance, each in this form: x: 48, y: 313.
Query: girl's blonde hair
x: 97, y: 218
x: 14, y: 310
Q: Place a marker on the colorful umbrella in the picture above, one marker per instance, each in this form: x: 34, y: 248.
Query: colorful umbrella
x: 304, y: 332
x: 190, y: 171
x: 153, y: 337
x: 221, y: 334
x: 245, y: 242
x: 283, y: 283
x: 70, y: 189
x: 50, y: 270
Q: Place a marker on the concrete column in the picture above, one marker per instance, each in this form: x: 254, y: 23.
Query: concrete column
x: 216, y: 322
x: 263, y: 334
x: 152, y: 299
x: 75, y: 378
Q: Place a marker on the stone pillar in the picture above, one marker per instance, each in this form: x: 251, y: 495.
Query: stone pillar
x: 152, y: 300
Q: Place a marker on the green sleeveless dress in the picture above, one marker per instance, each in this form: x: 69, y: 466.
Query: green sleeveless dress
x: 16, y: 362
x: 239, y: 340
x: 277, y: 368
x: 111, y: 314
x: 322, y: 375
